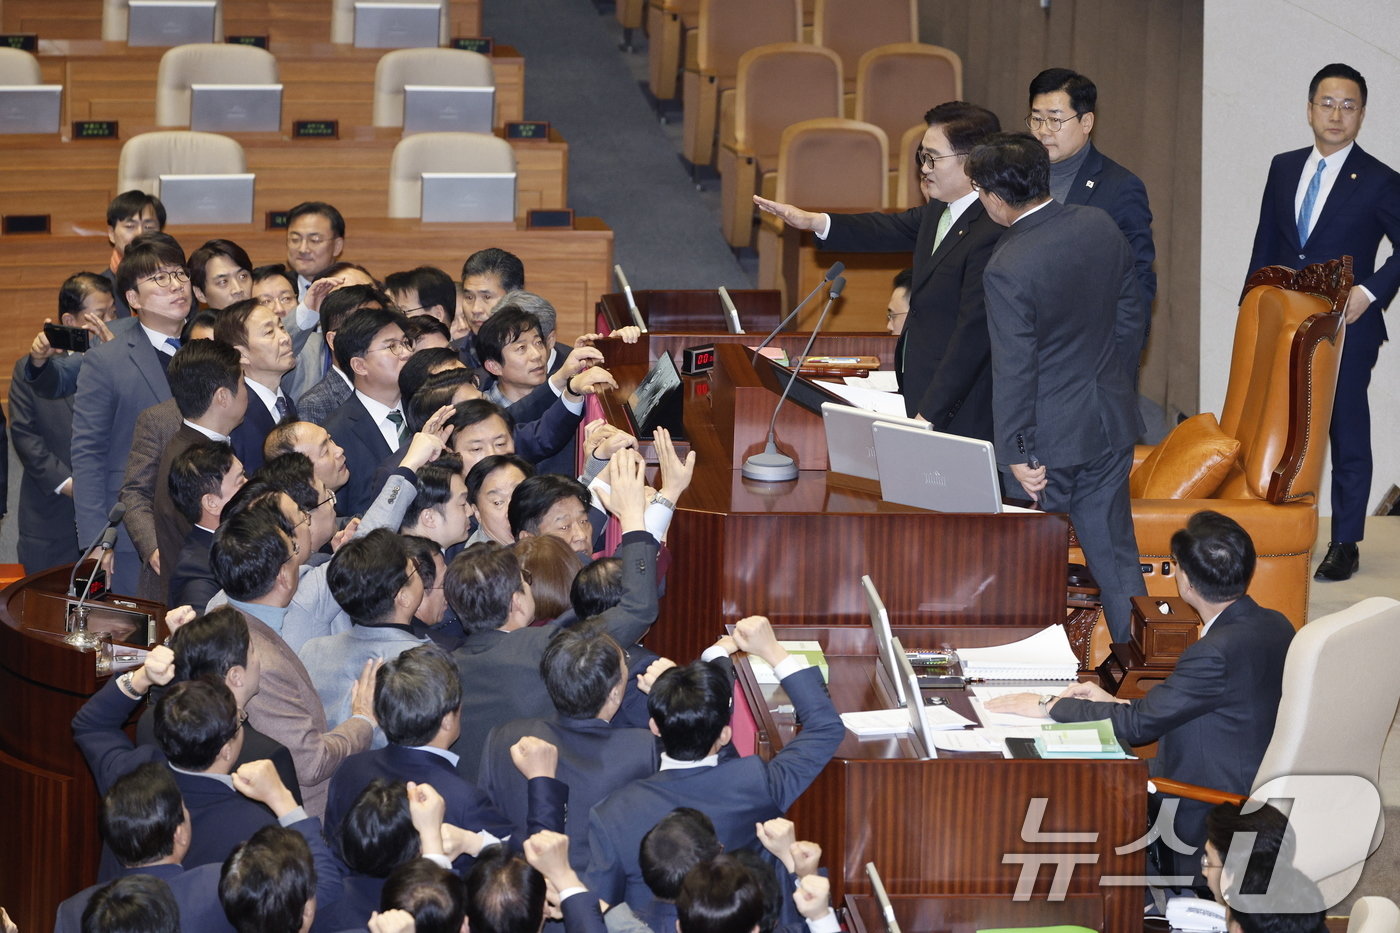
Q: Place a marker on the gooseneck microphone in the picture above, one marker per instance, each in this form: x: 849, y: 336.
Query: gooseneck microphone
x: 774, y: 466
x: 831, y: 274
x: 114, y: 518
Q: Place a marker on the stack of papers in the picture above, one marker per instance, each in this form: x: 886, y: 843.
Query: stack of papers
x: 1078, y: 740
x: 876, y: 722
x: 811, y: 650
x: 1046, y: 655
x: 981, y: 694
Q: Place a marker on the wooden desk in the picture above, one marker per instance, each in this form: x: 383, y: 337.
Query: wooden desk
x: 51, y: 840
x: 570, y: 268
x: 73, y: 180
x: 968, y: 913
x: 321, y: 81
x: 281, y: 21
x: 796, y: 550
x: 943, y: 827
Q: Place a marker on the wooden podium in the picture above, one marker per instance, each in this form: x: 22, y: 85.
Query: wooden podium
x: 51, y: 845
x: 795, y: 551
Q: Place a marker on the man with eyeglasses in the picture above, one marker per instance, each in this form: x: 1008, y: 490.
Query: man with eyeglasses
x: 943, y: 358
x: 115, y: 382
x: 370, y: 348
x: 1321, y: 203
x: 1062, y: 106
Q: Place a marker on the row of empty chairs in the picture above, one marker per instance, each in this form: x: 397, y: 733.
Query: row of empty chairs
x: 115, y: 21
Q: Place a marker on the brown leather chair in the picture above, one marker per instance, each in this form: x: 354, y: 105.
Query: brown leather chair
x: 895, y: 85
x: 777, y: 85
x: 850, y: 28
x: 728, y: 29
x: 1283, y: 374
x: 907, y: 193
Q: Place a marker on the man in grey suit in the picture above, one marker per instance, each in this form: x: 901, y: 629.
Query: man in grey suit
x: 116, y: 382
x: 1065, y: 313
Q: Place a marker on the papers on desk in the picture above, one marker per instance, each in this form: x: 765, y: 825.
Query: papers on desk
x: 1078, y: 740
x: 1046, y: 655
x: 881, y: 380
x: 810, y: 650
x: 982, y: 693
x: 887, y: 403
x: 877, y: 722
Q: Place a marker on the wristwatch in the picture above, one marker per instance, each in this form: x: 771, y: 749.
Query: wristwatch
x: 659, y: 499
x: 124, y: 684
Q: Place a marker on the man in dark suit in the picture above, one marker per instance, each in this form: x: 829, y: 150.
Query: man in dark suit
x: 690, y: 709
x: 1213, y: 717
x: 208, y: 404
x: 1066, y: 315
x: 115, y: 382
x: 585, y: 672
x: 370, y: 347
x: 1062, y: 106
x: 129, y: 215
x: 265, y: 353
x: 943, y: 354
x: 499, y: 661
x: 1322, y: 203
x: 201, y: 481
x: 42, y: 431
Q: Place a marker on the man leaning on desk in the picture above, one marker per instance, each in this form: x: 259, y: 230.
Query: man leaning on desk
x: 1214, y: 716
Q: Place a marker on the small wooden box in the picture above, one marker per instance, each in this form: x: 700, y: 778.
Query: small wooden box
x: 1162, y: 628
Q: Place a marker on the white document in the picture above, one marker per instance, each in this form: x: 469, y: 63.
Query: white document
x: 981, y: 694
x: 874, y: 722
x: 887, y: 403
x: 880, y: 380
x: 1046, y: 655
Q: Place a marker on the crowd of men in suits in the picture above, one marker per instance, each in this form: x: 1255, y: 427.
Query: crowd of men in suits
x: 356, y: 489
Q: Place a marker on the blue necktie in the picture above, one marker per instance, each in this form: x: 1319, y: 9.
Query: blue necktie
x: 1309, y: 202
x: 172, y: 343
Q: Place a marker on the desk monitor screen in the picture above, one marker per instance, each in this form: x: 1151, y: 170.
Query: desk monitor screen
x: 658, y: 401
x: 918, y: 715
x: 398, y: 25
x: 429, y: 109
x: 170, y: 22
x: 236, y: 108
x: 884, y: 636
x: 468, y: 197
x: 207, y: 199
x: 850, y: 445
x: 30, y: 108
x: 932, y: 470
x: 805, y: 392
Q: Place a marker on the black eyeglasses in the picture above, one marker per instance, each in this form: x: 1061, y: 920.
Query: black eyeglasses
x: 926, y: 160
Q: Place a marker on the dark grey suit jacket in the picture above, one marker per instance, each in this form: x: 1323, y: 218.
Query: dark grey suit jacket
x: 156, y: 431
x: 42, y: 430
x: 1066, y: 317
x: 944, y: 353
x: 354, y: 430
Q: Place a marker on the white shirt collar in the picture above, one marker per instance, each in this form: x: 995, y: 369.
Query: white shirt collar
x: 440, y: 752
x: 671, y: 764
x: 379, y: 412
x: 224, y: 779
x: 1033, y: 210
x: 158, y: 340
x: 268, y: 396
x: 1209, y: 622
x: 961, y: 204
x: 1334, y: 161
x: 212, y: 435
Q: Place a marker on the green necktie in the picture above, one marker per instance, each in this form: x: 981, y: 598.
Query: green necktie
x: 396, y: 419
x: 945, y: 223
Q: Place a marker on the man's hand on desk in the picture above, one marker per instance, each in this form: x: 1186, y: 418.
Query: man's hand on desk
x: 1030, y: 705
x: 579, y: 359
x: 589, y: 382
x: 754, y: 635
x: 1091, y: 692
x: 601, y: 440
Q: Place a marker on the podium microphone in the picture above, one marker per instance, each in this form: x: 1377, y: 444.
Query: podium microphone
x: 831, y: 274
x: 114, y: 518
x: 774, y: 466
x: 79, y: 635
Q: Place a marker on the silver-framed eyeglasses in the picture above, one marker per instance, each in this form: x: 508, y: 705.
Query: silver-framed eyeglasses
x: 927, y: 160
x: 1347, y: 106
x: 1053, y: 124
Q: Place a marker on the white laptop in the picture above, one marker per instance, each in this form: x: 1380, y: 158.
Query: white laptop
x: 170, y: 22
x: 884, y: 636
x: 850, y: 446
x: 234, y: 108
x: 918, y: 714
x: 207, y: 199
x: 937, y: 471
x: 398, y: 25
x: 428, y: 109
x: 30, y: 108
x: 468, y: 197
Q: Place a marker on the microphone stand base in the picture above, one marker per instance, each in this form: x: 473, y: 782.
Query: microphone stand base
x: 770, y: 467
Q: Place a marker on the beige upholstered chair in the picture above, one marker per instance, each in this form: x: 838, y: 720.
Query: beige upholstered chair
x: 440, y: 152
x: 206, y: 63
x: 1340, y: 694
x: 19, y: 67
x: 435, y: 67
x: 343, y: 22
x: 114, y: 21
x: 728, y: 29
x: 777, y: 85
x: 850, y: 28
x: 670, y: 25
x: 896, y: 84
x: 1374, y: 915
x: 148, y: 156
x: 907, y: 192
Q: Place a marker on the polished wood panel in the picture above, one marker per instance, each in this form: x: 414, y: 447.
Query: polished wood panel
x: 869, y: 281
x: 51, y: 837
x: 281, y: 21
x: 797, y: 550
x: 321, y: 81
x: 570, y: 268
x: 943, y: 827
x: 73, y: 180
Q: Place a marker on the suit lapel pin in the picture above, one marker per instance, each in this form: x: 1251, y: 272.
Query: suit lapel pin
x: 1353, y: 176
x: 1089, y: 183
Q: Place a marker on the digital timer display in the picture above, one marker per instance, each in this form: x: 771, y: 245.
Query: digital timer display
x: 697, y: 360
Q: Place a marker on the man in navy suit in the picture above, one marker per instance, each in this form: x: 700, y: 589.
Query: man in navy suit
x: 265, y: 353
x: 943, y: 353
x: 690, y: 709
x: 1321, y: 203
x: 115, y: 382
x: 370, y: 346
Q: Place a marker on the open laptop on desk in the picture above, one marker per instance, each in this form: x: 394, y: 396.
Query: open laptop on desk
x: 468, y: 197
x: 170, y: 22
x: 937, y: 471
x: 918, y: 713
x: 658, y: 401
x: 850, y: 445
x: 434, y: 109
x: 236, y: 108
x: 30, y: 108
x: 207, y: 199
x: 930, y: 674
